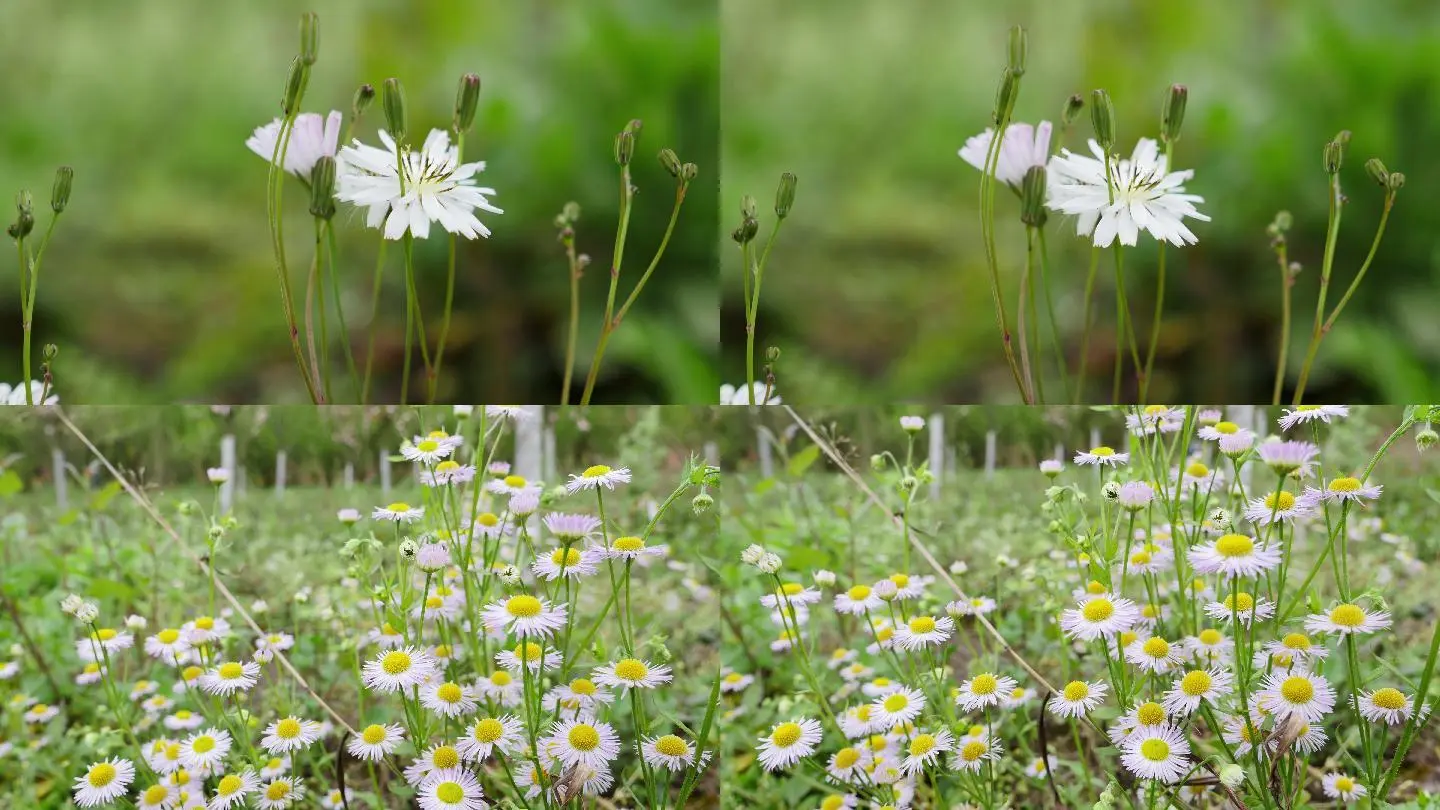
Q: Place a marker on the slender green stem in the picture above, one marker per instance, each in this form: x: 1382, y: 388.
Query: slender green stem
x: 1025, y: 316
x: 659, y: 252
x: 574, y: 332
x: 627, y: 195
x: 1154, y: 328
x: 275, y: 199
x: 1412, y: 726
x: 1364, y: 268
x: 987, y: 236
x: 449, y: 293
x: 1332, y: 234
x: 752, y: 311
x: 1050, y: 309
x: 409, y: 320
x: 1286, y: 284
x: 374, y: 317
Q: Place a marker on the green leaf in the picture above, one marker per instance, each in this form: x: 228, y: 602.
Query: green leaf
x: 10, y: 484
x: 102, y: 498
x: 801, y: 461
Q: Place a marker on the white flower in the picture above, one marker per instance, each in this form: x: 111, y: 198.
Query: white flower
x: 1022, y: 147
x: 448, y: 699
x: 375, y: 742
x: 912, y: 424
x: 1138, y: 194
x: 278, y: 794
x: 232, y: 789
x: 598, y: 476
x: 504, y: 733
x: 924, y: 631
x: 1099, y: 616
x: 733, y: 395
x: 398, y: 512
x: 1197, y: 685
x: 1234, y: 555
x: 1102, y: 456
x: 15, y: 395
x: 1279, y: 507
x: 311, y: 138
x: 628, y: 672
x: 1386, y: 705
x: 217, y: 475
x: 1052, y: 467
x: 1301, y: 694
x: 858, y: 600
x: 1344, y: 488
x: 427, y: 450
x: 1241, y: 606
x: 1312, y: 413
x: 1347, y: 618
x: 983, y: 690
x: 525, y: 616
x: 900, y: 706
x: 576, y: 743
x: 451, y: 789
x: 230, y: 677
x: 1153, y: 654
x: 1342, y: 787
x: 205, y: 749
x: 975, y: 752
x: 788, y: 743
x: 104, y: 782
x: 1288, y: 457
x: 432, y: 186
x: 1078, y: 698
x: 398, y: 670
x: 1160, y: 753
x: 925, y: 748
x: 672, y: 753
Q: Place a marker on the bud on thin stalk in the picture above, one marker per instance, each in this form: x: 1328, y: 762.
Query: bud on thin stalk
x: 1376, y: 169
x: 1173, y: 114
x: 1102, y: 118
x: 670, y: 161
x: 393, y: 100
x: 785, y: 195
x: 1334, y: 157
x: 322, y: 188
x: 624, y: 147
x: 60, y: 192
x: 309, y: 37
x: 363, y: 96
x: 1032, y: 197
x: 1071, y: 110
x: 294, y: 86
x: 1005, y: 95
x: 467, y: 98
x: 1019, y: 47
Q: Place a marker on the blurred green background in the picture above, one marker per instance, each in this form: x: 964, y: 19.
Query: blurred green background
x: 877, y: 289
x: 160, y: 284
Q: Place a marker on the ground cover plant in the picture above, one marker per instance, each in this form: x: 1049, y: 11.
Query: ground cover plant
x: 468, y: 638
x: 1198, y: 615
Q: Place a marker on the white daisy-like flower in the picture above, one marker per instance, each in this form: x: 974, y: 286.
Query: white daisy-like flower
x: 1078, y: 698
x: 788, y: 743
x: 440, y: 757
x: 1302, y: 694
x: 579, y: 696
x: 1294, y: 647
x: 1135, y: 495
x: 398, y: 670
x: 233, y: 788
x: 1312, y: 413
x: 375, y: 741
x: 15, y: 395
x: 511, y: 485
x: 1342, y: 787
x: 167, y: 645
x: 900, y: 706
x: 1386, y: 705
x: 925, y: 748
x: 92, y: 672
x: 448, y: 472
x: 529, y: 655
x: 791, y: 593
x: 41, y: 713
x: 974, y: 753
x: 1346, y: 618
x: 1234, y: 555
x: 158, y: 796
x: 279, y: 794
x: 983, y: 690
x: 566, y: 562
x: 290, y: 734
x: 598, y: 476
x: 1120, y: 198
x: 275, y: 766
x: 448, y: 699
x: 671, y: 752
x: 631, y: 548
x: 1208, y: 685
x: 489, y: 734
x: 1102, y: 457
x: 205, y: 749
x: 858, y: 600
x: 525, y: 616
x: 1052, y: 467
x: 924, y: 631
x: 570, y: 528
x: 1153, y: 654
x: 102, y: 640
x: 398, y: 512
x: 1343, y: 489
x: 1288, y: 457
x: 183, y: 720
x: 406, y: 189
x: 311, y: 138
x: 1311, y: 739
x: 1161, y: 753
x: 974, y: 606
x: 451, y: 789
x: 104, y: 782
x: 741, y: 395
x: 735, y: 682
x: 1277, y: 507
x: 490, y: 525
x: 501, y: 687
x: 588, y: 744
x: 426, y: 450
x: 230, y: 677
x: 1241, y: 606
x: 1099, y: 617
x: 336, y: 799
x: 1023, y: 147
x: 1220, y: 430
x: 628, y: 672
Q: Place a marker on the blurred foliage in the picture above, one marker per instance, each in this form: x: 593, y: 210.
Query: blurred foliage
x: 160, y: 285
x: 877, y: 289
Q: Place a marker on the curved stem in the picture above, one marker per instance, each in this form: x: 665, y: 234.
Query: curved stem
x: 626, y: 198
x: 1332, y: 234
x: 1286, y: 283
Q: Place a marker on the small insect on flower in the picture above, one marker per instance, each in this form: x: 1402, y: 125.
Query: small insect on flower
x: 1078, y: 698
x: 788, y: 743
x: 1100, y: 616
x: 1342, y: 787
x: 525, y: 616
x: 398, y: 670
x: 375, y: 742
x: 983, y: 690
x: 290, y: 734
x: 1102, y: 457
x: 230, y: 677
x: 104, y: 782
x: 597, y: 476
x: 398, y: 512
x: 1303, y: 694
x: 1161, y: 753
x: 451, y: 789
x: 632, y: 672
x: 1312, y: 413
x: 489, y: 734
x: 1347, y: 618
x: 1386, y: 705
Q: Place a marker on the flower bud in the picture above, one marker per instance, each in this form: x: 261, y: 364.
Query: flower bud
x: 747, y: 207
x: 1377, y: 172
x: 1032, y: 197
x: 1173, y: 114
x: 309, y: 37
x: 1102, y: 118
x: 24, y: 216
x: 1232, y: 775
x: 322, y: 188
x: 1073, y: 105
x: 785, y: 195
x: 747, y: 230
x: 670, y: 161
x: 909, y: 483
x: 408, y: 549
x: 1019, y: 47
x: 1005, y: 95
x: 887, y: 589
x: 1426, y: 439
x: 825, y: 579
x: 688, y: 171
x: 50, y: 352
x: 752, y: 554
x: 1397, y: 181
x: 294, y: 86
x: 393, y: 100
x: 364, y: 94
x: 60, y: 192
x: 466, y: 99
x: 769, y: 564
x: 1334, y: 157
x: 772, y: 354
x: 701, y: 503
x: 624, y: 147
x: 878, y: 462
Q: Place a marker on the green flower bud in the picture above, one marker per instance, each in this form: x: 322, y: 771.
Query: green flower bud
x: 322, y: 188
x: 670, y: 161
x: 309, y: 37
x: 702, y: 503
x: 60, y: 192
x: 1397, y: 181
x: 1019, y: 47
x: 294, y: 86
x: 1173, y: 114
x: 1005, y: 95
x: 363, y: 96
x: 688, y: 171
x: 785, y: 195
x: 393, y: 100
x: 747, y: 207
x: 1426, y: 439
x: 466, y: 100
x: 1073, y: 105
x: 1102, y: 118
x: 624, y: 147
x: 1377, y: 172
x: 1032, y: 197
x: 1334, y: 157
x: 51, y: 352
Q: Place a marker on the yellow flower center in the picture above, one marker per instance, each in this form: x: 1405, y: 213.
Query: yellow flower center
x: 230, y: 671
x: 373, y: 734
x: 985, y: 684
x: 448, y: 465
x: 922, y: 624
x: 1103, y: 452
x: 1344, y: 784
x: 1297, y: 641
x: 631, y: 669
x: 489, y: 730
x: 101, y: 775
x: 859, y: 593
x: 399, y: 506
x: 395, y: 662
x: 1076, y: 691
x: 434, y: 603
x: 1155, y: 750
x: 1345, y: 484
x: 230, y: 784
x: 633, y: 544
x: 900, y: 580
x: 1297, y: 690
x: 786, y: 734
x: 445, y: 757
x: 897, y: 702
x: 884, y: 633
x: 1094, y: 588
x: 1156, y: 647
x: 921, y: 744
x: 846, y: 757
x: 203, y: 744
x: 1150, y: 714
x: 488, y: 519
x: 1284, y: 500
x: 529, y: 651
x: 1197, y: 470
x: 1241, y: 602
x: 277, y: 791
x: 168, y: 636
x: 428, y: 446
x: 596, y: 471
x: 1227, y: 427
x: 91, y: 668
x: 523, y: 606
x: 449, y: 692
x: 671, y: 746
x: 105, y: 633
x: 973, y: 750
x: 832, y: 802
x: 1140, y: 558
x: 500, y: 678
x: 1235, y: 545
x: 288, y: 729
x: 1098, y: 610
x: 183, y: 714
x: 1348, y: 615
x: 155, y: 794
x: 205, y: 623
x: 585, y: 686
x: 1196, y: 683
x: 1388, y: 698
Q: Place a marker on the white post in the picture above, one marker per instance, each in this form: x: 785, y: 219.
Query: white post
x: 62, y: 481
x: 1059, y: 451
x: 349, y: 475
x: 937, y: 453
x: 989, y: 453
x: 547, y: 470
x: 242, y: 484
x: 1094, y: 438
x: 227, y: 462
x: 529, y: 442
x: 712, y: 454
x: 384, y: 474
x: 280, y: 460
x: 767, y: 453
